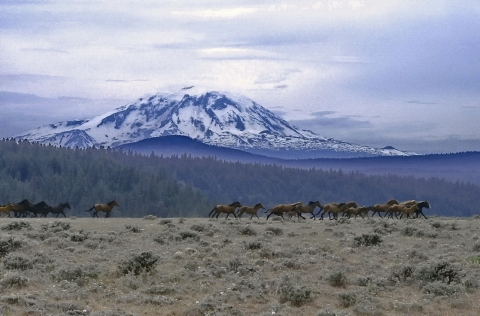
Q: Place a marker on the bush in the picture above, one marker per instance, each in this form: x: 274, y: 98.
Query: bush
x: 476, y: 247
x: 402, y: 273
x: 439, y: 288
x: 17, y: 226
x: 337, y: 279
x: 275, y: 230
x: 367, y: 240
x: 17, y: 262
x: 247, y: 230
x: 77, y: 274
x: 13, y: 280
x: 297, y: 296
x: 138, y: 263
x: 254, y: 245
x: 198, y: 228
x: 441, y: 271
x: 347, y: 299
x: 187, y: 234
x: 9, y: 244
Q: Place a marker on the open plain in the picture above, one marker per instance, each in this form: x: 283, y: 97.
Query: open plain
x: 202, y: 266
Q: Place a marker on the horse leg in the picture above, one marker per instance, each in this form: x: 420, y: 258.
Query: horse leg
x: 256, y: 216
x: 300, y: 215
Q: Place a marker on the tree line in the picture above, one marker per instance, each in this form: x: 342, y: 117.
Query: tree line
x: 181, y: 186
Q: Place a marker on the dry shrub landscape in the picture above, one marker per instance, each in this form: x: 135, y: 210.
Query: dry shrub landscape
x: 200, y: 266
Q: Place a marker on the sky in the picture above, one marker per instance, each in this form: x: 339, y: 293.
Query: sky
x: 378, y: 73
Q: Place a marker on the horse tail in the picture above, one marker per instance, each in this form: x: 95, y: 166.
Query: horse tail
x: 211, y: 212
x: 90, y: 209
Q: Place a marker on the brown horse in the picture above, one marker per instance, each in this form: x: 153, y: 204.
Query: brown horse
x: 337, y: 208
x: 408, y: 209
x: 361, y: 210
x: 382, y: 208
x: 420, y: 205
x: 6, y: 209
x: 309, y: 208
x: 107, y: 208
x: 282, y: 208
x: 250, y: 210
x: 229, y: 209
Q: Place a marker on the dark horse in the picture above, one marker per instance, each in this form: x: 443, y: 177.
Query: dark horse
x: 420, y: 206
x: 40, y: 207
x: 22, y: 209
x: 107, y: 208
x: 59, y: 209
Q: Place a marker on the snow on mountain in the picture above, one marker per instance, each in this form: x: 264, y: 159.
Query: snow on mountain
x: 215, y: 118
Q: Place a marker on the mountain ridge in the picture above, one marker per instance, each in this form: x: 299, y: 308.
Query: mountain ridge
x: 214, y: 118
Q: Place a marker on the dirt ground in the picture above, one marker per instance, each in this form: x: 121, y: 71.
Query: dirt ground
x: 202, y: 266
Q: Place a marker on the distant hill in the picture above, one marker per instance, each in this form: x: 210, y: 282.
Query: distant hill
x: 452, y: 167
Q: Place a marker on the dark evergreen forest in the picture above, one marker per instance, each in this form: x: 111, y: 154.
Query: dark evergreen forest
x: 185, y: 186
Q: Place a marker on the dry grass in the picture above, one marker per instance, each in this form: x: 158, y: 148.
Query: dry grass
x: 200, y: 266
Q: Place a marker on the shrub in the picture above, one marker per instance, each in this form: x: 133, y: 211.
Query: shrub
x: 337, y: 279
x: 187, y: 234
x: 275, y: 230
x: 234, y: 265
x: 78, y: 274
x: 476, y: 247
x: 297, y: 296
x: 198, y: 228
x: 254, y: 245
x: 347, y: 299
x: 8, y: 244
x: 133, y: 229
x: 17, y: 226
x: 15, y: 261
x: 439, y: 288
x: 138, y: 263
x: 247, y: 230
x: 402, y: 273
x: 441, y: 271
x: 474, y: 259
x: 13, y: 280
x: 409, y: 231
x: 56, y: 226
x: 367, y: 240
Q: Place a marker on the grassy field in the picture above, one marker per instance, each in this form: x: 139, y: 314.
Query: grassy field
x: 201, y: 266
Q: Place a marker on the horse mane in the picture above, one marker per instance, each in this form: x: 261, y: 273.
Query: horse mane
x: 234, y: 203
x: 342, y: 204
x: 312, y: 202
x: 111, y: 202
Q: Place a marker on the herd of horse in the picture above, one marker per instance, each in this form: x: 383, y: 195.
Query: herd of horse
x: 409, y: 209
x: 27, y: 209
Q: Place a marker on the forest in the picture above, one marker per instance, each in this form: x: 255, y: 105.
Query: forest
x: 186, y: 186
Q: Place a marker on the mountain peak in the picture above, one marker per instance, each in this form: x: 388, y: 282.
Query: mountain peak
x: 212, y: 117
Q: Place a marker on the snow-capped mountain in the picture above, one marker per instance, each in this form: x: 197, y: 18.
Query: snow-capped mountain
x: 214, y: 118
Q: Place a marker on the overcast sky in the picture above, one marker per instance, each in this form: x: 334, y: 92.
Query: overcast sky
x: 401, y: 73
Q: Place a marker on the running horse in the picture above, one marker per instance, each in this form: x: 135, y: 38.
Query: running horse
x: 309, y: 208
x: 59, y: 209
x: 229, y: 209
x: 252, y: 210
x: 6, y: 209
x: 281, y: 208
x: 107, y: 208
